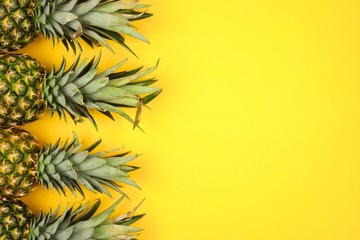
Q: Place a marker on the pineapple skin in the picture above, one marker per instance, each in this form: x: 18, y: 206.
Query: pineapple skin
x: 17, y: 27
x: 18, y: 154
x: 15, y: 220
x: 21, y: 80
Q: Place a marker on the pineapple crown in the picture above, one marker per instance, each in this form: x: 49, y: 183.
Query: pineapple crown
x: 79, y: 224
x: 81, y: 87
x: 64, y: 166
x: 94, y: 21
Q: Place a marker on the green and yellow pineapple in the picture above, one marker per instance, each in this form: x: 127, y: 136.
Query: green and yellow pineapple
x: 94, y: 21
x: 24, y: 163
x: 26, y: 91
x: 17, y: 222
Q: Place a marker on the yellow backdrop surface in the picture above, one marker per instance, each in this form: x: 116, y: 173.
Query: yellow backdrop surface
x: 257, y: 132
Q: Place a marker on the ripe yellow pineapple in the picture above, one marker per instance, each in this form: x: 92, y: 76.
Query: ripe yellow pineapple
x: 94, y: 21
x: 23, y: 164
x: 26, y: 91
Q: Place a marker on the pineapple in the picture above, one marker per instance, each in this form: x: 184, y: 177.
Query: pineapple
x: 17, y: 222
x: 24, y: 163
x: 26, y: 91
x: 94, y: 21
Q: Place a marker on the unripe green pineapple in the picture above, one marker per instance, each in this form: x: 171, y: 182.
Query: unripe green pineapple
x: 24, y: 163
x: 26, y: 91
x: 17, y: 222
x: 94, y: 21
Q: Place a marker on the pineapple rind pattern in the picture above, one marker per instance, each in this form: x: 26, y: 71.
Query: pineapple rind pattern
x: 15, y: 220
x: 17, y: 29
x: 18, y: 154
x: 21, y: 79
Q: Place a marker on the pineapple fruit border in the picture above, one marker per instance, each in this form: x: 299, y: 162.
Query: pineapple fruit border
x: 26, y: 91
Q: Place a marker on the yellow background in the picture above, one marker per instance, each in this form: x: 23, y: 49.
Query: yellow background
x: 256, y: 135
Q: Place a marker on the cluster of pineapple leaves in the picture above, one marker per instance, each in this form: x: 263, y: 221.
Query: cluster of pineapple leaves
x: 27, y: 91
